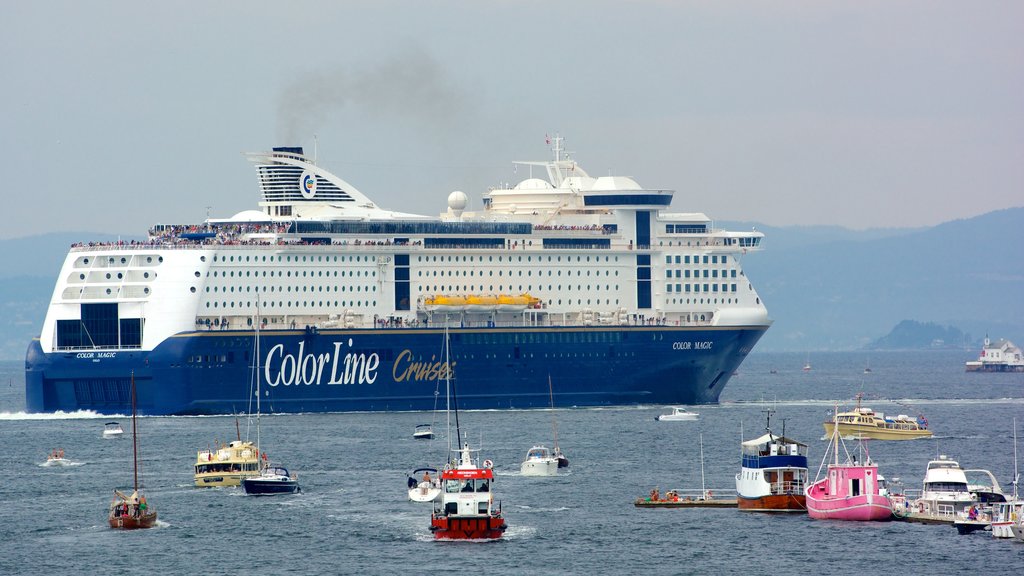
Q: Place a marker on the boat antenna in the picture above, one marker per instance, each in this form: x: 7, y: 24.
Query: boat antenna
x: 768, y: 421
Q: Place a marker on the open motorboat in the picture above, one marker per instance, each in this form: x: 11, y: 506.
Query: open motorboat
x: 678, y: 414
x: 423, y: 432
x: 773, y: 474
x: 132, y: 512
x: 112, y: 430
x: 425, y: 488
x: 849, y: 490
x: 56, y: 458
x: 539, y: 462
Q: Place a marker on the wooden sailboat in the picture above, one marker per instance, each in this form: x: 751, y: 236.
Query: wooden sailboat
x: 271, y: 479
x: 132, y: 512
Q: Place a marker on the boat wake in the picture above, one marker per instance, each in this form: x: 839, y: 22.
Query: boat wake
x: 59, y: 415
x: 531, y: 509
x: 59, y: 464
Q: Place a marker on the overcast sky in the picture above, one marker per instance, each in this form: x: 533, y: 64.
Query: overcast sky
x: 119, y: 115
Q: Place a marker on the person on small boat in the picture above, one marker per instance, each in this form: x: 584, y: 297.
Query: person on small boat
x: 655, y: 495
x: 426, y: 477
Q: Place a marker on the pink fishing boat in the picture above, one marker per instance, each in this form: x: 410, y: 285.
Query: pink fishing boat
x: 849, y: 491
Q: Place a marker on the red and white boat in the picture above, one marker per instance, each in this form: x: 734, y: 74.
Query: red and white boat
x: 465, y: 509
x: 849, y: 491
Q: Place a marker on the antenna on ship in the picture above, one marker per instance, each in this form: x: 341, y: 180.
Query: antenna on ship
x: 316, y: 147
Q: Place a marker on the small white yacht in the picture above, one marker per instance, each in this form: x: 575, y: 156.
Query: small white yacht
x: 539, y: 462
x: 945, y: 492
x: 678, y: 414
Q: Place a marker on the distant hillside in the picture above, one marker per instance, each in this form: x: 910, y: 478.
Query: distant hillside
x: 911, y: 335
x: 826, y: 288
x: 841, y: 292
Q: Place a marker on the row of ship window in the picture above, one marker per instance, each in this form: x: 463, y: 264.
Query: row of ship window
x: 701, y: 301
x: 124, y: 260
x: 279, y: 258
x: 696, y: 288
x: 696, y: 273
x: 501, y: 273
x: 289, y: 304
x: 696, y: 259
x: 356, y: 288
x: 120, y: 276
x: 511, y: 259
x: 288, y: 273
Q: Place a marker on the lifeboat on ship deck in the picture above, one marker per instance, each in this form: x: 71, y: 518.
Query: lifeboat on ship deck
x: 479, y: 303
x: 444, y: 303
x: 507, y: 303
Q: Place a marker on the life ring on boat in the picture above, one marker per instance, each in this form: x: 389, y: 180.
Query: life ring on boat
x: 488, y: 464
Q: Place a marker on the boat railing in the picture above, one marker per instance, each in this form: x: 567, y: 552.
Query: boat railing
x: 790, y: 487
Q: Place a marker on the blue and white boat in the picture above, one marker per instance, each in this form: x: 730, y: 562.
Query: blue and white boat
x: 587, y: 279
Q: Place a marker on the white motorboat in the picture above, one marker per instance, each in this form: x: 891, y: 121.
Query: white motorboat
x: 112, y: 430
x: 539, y: 462
x: 423, y: 432
x: 945, y: 492
x: 678, y: 414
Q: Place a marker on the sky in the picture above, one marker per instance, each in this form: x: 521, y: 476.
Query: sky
x: 117, y: 115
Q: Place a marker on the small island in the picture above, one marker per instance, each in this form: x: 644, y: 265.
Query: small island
x: 913, y: 335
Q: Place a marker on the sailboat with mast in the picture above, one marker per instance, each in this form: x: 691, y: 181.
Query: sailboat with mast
x: 539, y: 460
x: 272, y: 479
x: 563, y: 460
x: 132, y: 512
x: 465, y: 507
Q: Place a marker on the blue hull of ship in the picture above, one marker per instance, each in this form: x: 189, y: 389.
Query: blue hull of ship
x: 210, y: 372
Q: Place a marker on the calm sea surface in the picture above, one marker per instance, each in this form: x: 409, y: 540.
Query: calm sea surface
x: 353, y: 516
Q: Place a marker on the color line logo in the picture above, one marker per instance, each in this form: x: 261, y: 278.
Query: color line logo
x: 307, y: 185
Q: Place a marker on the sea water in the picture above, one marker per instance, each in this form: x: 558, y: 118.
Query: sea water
x: 353, y: 515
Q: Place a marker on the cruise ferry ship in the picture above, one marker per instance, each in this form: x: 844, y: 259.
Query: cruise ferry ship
x: 588, y: 280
